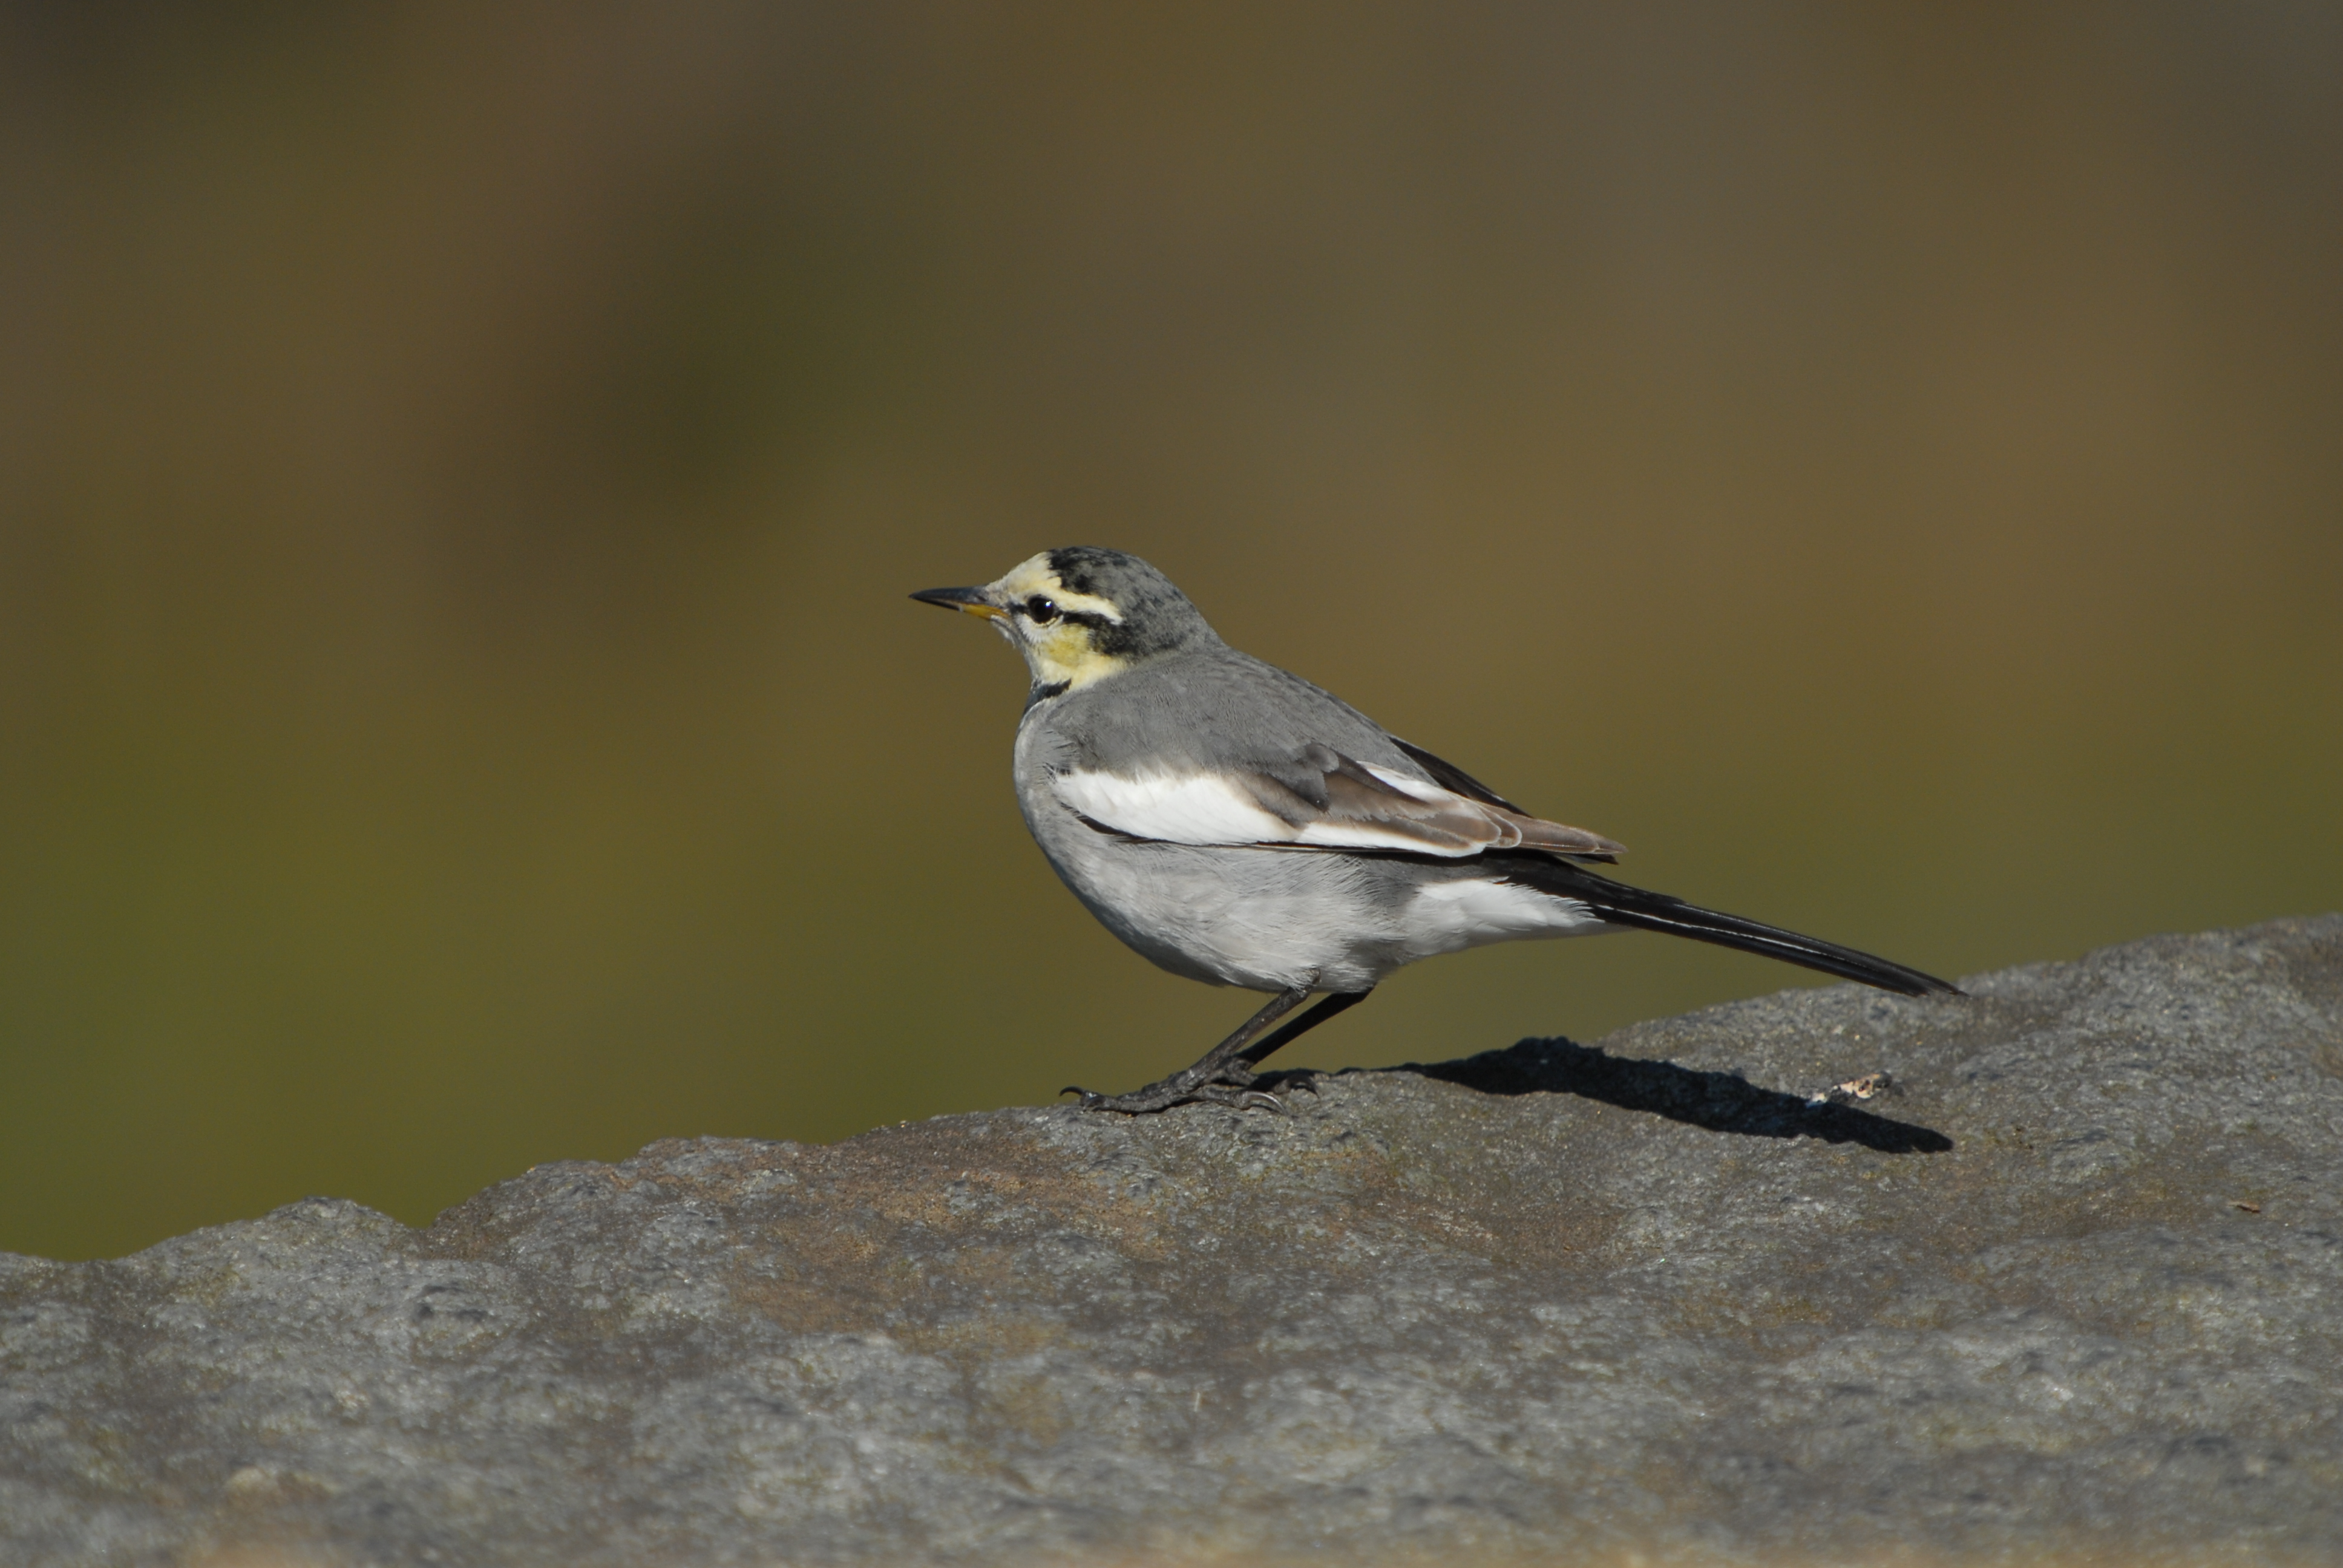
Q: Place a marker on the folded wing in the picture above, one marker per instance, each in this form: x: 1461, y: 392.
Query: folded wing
x: 1324, y: 801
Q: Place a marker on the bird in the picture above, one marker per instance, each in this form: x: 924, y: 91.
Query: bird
x: 1235, y: 824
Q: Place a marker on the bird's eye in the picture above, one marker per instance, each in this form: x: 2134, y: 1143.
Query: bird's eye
x: 1040, y: 610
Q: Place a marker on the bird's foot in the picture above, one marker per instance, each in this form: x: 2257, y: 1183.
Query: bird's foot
x: 1225, y: 1075
x: 1179, y: 1089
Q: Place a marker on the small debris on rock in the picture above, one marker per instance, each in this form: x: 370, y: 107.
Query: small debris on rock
x: 1868, y: 1087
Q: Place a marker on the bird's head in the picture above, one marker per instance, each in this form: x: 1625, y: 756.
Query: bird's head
x: 1080, y: 614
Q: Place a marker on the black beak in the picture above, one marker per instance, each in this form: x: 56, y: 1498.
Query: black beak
x: 970, y: 599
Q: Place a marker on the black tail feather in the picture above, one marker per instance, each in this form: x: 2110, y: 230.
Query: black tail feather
x: 1621, y: 905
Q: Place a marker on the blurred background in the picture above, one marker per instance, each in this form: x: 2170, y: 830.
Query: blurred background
x: 461, y: 467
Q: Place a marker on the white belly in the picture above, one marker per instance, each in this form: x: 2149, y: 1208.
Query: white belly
x: 1449, y: 917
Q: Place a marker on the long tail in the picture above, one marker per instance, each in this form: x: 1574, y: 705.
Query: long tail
x: 1621, y: 905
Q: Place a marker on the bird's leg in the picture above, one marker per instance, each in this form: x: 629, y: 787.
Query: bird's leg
x: 1254, y: 1056
x: 1224, y: 1072
x: 1199, y: 1082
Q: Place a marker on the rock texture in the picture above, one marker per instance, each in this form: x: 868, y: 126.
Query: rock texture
x: 2075, y: 1284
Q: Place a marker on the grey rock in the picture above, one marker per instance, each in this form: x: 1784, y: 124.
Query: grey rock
x: 2073, y: 1282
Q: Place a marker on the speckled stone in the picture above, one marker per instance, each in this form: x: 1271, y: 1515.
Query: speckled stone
x: 2073, y: 1283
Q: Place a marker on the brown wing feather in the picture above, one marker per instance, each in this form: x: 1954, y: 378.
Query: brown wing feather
x: 1448, y: 776
x: 1459, y: 824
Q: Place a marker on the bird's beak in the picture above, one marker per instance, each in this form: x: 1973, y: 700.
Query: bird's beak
x: 974, y: 600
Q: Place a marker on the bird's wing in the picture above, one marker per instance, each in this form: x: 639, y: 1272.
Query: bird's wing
x: 1321, y: 800
x: 1448, y: 776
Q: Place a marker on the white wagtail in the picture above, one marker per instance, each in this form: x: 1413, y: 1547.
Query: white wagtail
x: 1241, y: 826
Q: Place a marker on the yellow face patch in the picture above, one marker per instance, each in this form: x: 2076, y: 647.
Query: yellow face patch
x: 1066, y: 653
x: 1061, y: 651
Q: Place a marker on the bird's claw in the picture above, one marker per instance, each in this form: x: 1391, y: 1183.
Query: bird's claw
x: 1164, y: 1096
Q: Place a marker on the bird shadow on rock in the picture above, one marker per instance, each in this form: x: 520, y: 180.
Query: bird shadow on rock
x: 1719, y: 1102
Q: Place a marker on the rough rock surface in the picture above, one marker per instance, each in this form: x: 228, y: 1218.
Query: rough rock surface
x: 2075, y: 1284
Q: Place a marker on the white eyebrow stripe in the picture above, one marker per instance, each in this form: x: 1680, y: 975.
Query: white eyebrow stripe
x: 1083, y: 603
x: 1032, y: 576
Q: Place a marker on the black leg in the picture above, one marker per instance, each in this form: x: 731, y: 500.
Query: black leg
x: 1224, y: 1074
x: 1199, y: 1082
x: 1335, y: 1001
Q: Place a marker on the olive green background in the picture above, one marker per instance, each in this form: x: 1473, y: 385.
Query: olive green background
x: 460, y: 468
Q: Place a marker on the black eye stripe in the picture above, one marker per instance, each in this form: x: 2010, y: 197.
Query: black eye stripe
x: 1040, y: 610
